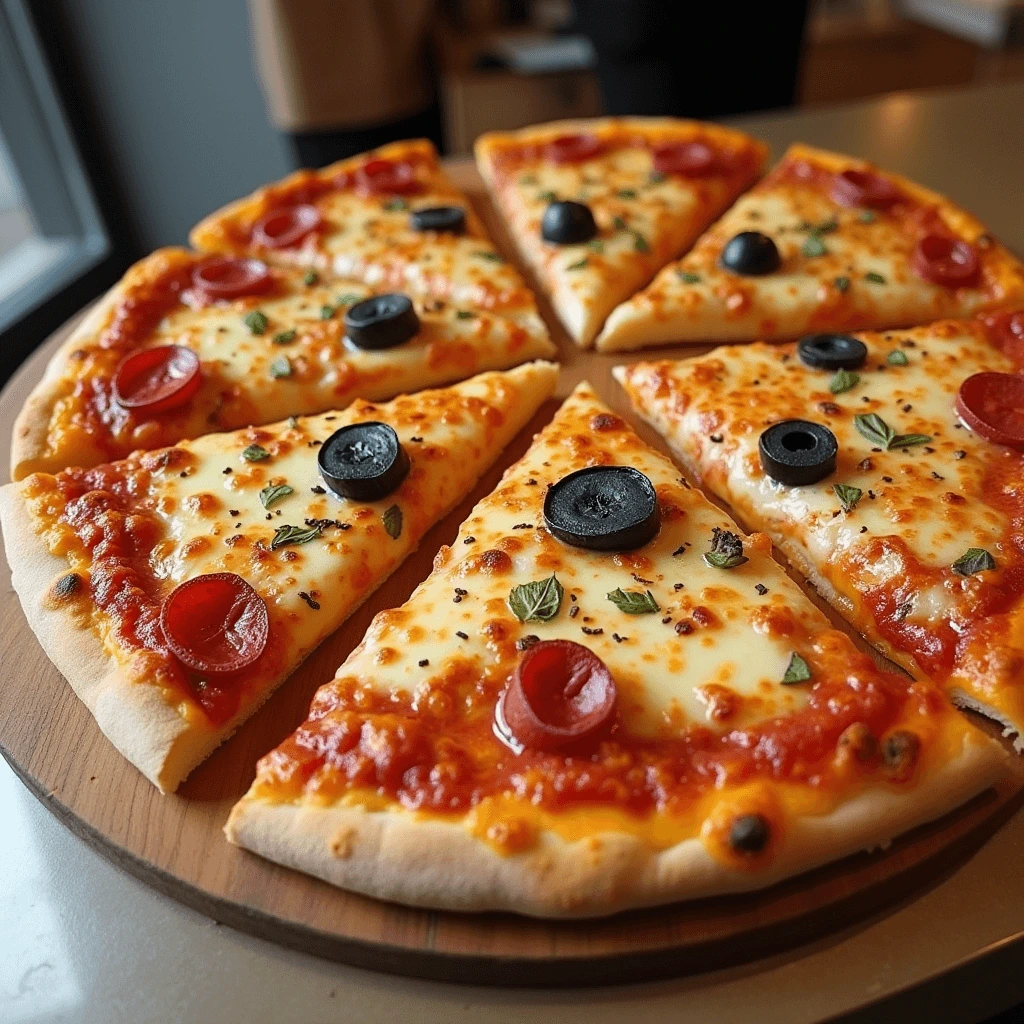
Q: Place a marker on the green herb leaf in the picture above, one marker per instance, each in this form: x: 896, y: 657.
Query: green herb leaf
x: 492, y: 256
x: 595, y: 245
x: 871, y: 426
x: 797, y: 671
x: 687, y: 277
x: 825, y: 227
x: 349, y: 299
x: 866, y: 217
x: 813, y: 246
x: 528, y: 179
x: 326, y: 312
x: 656, y: 177
x: 726, y: 550
x: 294, y: 535
x: 619, y: 224
x: 546, y: 196
x: 396, y: 203
x: 897, y: 358
x: 640, y: 243
x: 874, y: 278
x: 578, y: 265
x: 392, y: 519
x: 626, y: 193
x: 908, y: 440
x: 465, y: 314
x: 538, y: 601
x: 848, y: 496
x: 310, y: 277
x: 255, y: 453
x: 256, y: 322
x: 973, y: 560
x: 281, y: 367
x: 285, y: 337
x: 842, y: 284
x: 274, y: 492
x: 843, y: 380
x: 633, y: 602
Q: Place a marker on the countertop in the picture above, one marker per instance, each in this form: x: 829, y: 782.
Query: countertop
x: 81, y: 941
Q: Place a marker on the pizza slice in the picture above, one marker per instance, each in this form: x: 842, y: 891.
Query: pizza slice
x: 391, y: 218
x: 176, y: 589
x: 187, y: 344
x: 597, y: 207
x: 888, y: 469
x: 824, y: 243
x: 604, y: 696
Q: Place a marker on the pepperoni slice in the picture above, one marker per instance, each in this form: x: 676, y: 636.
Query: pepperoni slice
x: 692, y: 159
x: 384, y: 177
x: 948, y: 261
x: 863, y: 188
x: 560, y: 695
x: 992, y: 405
x: 215, y: 623
x: 1007, y: 331
x: 157, y: 379
x: 573, y: 149
x: 287, y: 226
x: 229, y: 278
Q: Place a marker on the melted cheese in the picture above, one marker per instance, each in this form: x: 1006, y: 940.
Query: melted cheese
x: 643, y: 218
x: 862, y: 277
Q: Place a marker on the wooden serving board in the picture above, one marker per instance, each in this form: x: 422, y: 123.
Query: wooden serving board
x: 175, y: 842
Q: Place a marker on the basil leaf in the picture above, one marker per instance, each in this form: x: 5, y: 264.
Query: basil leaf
x: 726, y: 550
x: 492, y: 256
x: 874, y: 278
x: 578, y: 265
x: 285, y: 337
x: 825, y: 227
x: 294, y: 535
x: 813, y: 246
x: 973, y: 560
x: 465, y: 314
x: 396, y: 203
x: 310, y: 277
x: 326, y: 312
x: 392, y: 519
x: 274, y: 492
x: 596, y: 245
x: 797, y: 671
x: 547, y: 196
x: 538, y: 601
x: 255, y: 453
x: 848, y: 496
x: 871, y: 426
x: 908, y: 440
x: 281, y: 367
x: 843, y: 380
x: 626, y: 193
x: 687, y: 277
x: 256, y: 322
x: 349, y: 299
x: 640, y: 243
x: 632, y: 602
x: 619, y: 224
x: 897, y: 358
x: 841, y: 284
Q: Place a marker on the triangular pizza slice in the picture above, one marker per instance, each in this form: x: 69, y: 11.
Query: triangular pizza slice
x: 187, y: 344
x: 888, y: 468
x: 391, y: 218
x: 824, y: 243
x: 175, y: 590
x: 604, y: 696
x: 597, y: 207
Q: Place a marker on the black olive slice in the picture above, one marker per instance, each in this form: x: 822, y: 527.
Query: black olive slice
x: 831, y: 351
x: 751, y: 253
x: 382, y: 321
x: 605, y: 508
x: 750, y: 834
x: 363, y: 461
x: 798, y: 452
x: 439, y: 218
x: 567, y: 223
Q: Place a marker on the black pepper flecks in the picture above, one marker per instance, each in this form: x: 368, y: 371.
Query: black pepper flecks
x: 591, y: 631
x: 315, y: 605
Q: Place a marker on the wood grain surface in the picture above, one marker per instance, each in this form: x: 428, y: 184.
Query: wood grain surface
x: 175, y: 842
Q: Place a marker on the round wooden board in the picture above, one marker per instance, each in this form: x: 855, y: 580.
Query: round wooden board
x: 175, y: 842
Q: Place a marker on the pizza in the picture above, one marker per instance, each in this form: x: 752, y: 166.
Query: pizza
x: 187, y: 344
x: 596, y: 207
x: 177, y: 588
x: 887, y: 467
x: 391, y: 218
x: 603, y: 696
x: 824, y: 243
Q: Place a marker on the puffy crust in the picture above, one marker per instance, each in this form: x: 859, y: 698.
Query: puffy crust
x: 397, y: 855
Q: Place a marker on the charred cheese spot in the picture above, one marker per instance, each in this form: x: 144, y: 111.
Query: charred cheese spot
x: 66, y: 586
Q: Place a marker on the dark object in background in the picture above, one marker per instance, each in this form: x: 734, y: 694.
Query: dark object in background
x: 679, y: 59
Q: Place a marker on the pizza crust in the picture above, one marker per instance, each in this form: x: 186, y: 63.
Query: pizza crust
x: 399, y: 856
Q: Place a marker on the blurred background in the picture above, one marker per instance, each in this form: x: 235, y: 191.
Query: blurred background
x: 122, y: 122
